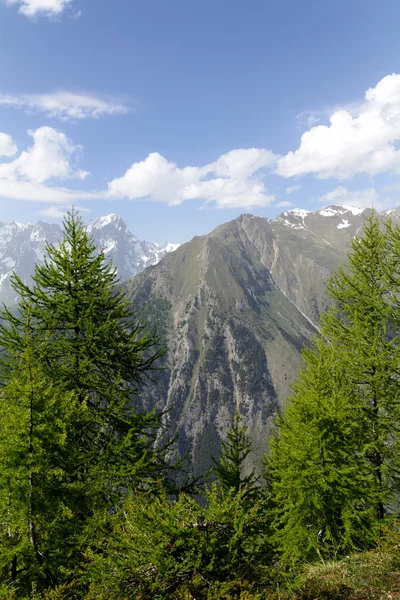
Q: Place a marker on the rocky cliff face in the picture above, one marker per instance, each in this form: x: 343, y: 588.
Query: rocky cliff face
x: 23, y: 245
x: 235, y: 308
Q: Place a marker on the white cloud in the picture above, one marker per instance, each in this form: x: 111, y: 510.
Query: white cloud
x: 52, y: 212
x: 242, y: 163
x: 50, y: 157
x: 66, y: 105
x: 37, y: 192
x: 359, y: 139
x: 59, y: 211
x: 233, y: 180
x: 7, y: 146
x: 284, y: 204
x: 368, y: 198
x: 36, y: 8
x: 293, y: 188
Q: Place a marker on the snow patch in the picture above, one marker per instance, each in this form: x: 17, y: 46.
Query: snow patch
x: 102, y: 221
x: 298, y: 212
x: 354, y: 210
x: 330, y: 212
x: 109, y: 245
x: 343, y: 224
x: 168, y: 247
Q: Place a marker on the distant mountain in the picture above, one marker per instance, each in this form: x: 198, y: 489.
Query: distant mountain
x: 23, y: 245
x: 235, y: 308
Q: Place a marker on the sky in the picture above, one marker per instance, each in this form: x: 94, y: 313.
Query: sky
x: 182, y: 115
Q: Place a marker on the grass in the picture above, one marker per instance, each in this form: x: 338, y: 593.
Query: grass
x: 373, y: 575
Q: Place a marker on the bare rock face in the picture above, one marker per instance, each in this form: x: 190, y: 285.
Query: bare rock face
x: 234, y: 309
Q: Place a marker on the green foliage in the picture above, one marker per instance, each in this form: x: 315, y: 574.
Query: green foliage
x: 364, y: 325
x: 334, y: 469
x: 160, y: 548
x: 84, y: 511
x: 72, y: 444
x: 324, y: 506
x: 39, y: 497
x: 231, y: 465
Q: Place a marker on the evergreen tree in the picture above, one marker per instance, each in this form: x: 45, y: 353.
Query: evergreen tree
x: 323, y: 504
x: 230, y: 468
x: 38, y: 497
x: 364, y: 323
x: 335, y: 461
x: 89, y: 355
x: 181, y: 549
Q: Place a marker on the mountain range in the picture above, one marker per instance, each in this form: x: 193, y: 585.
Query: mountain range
x: 234, y: 309
x: 23, y: 245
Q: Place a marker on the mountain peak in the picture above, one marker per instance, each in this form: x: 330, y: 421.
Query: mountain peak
x: 337, y: 210
x: 297, y: 212
x: 111, y: 219
x: 22, y: 245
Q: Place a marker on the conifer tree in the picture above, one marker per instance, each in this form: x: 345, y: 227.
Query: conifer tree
x: 230, y: 468
x: 324, y: 506
x: 39, y: 500
x: 92, y: 344
x: 364, y: 324
x: 89, y: 356
x: 335, y: 461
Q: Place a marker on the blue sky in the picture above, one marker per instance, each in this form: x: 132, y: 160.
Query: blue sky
x: 181, y: 115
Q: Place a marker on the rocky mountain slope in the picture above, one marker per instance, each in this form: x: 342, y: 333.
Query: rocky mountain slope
x: 23, y: 245
x: 235, y: 308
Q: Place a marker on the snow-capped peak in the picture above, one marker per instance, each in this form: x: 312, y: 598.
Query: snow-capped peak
x: 168, y: 247
x: 101, y: 222
x: 297, y: 212
x: 333, y: 211
x: 354, y: 210
x: 24, y: 245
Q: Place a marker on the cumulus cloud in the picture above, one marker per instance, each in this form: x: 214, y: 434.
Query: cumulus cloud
x: 242, y: 163
x: 368, y: 198
x: 233, y: 180
x: 7, y: 146
x: 359, y: 139
x: 51, y: 157
x: 293, y: 188
x: 284, y: 204
x: 59, y: 211
x: 66, y: 105
x: 40, y: 8
x: 48, y: 157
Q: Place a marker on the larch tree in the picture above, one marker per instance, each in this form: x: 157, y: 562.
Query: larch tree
x: 335, y: 459
x: 90, y: 355
x: 231, y: 466
x: 322, y: 505
x: 39, y: 499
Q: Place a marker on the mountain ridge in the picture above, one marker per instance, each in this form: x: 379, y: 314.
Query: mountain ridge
x: 22, y: 245
x: 235, y: 308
